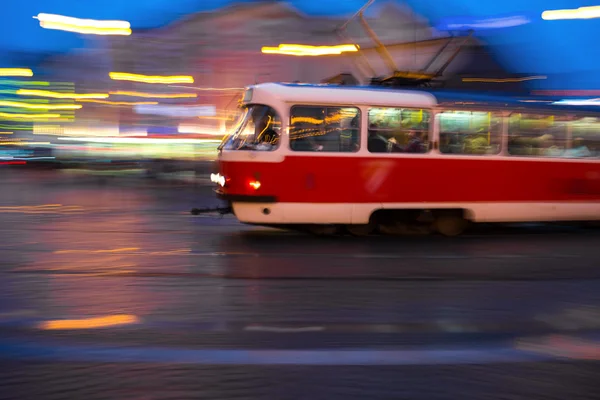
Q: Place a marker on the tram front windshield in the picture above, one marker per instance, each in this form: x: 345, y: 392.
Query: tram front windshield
x: 257, y: 129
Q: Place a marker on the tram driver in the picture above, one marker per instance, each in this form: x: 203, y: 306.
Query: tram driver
x: 267, y: 136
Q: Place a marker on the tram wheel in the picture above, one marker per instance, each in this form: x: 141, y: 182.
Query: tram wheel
x: 405, y: 229
x: 450, y: 225
x: 323, y: 230
x: 361, y: 230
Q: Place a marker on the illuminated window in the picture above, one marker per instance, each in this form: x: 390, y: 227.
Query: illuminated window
x: 327, y: 129
x: 539, y: 135
x: 470, y: 132
x: 585, y: 138
x: 398, y: 130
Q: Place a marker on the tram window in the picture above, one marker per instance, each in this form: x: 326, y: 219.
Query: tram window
x: 470, y: 132
x: 328, y: 129
x: 398, y: 130
x: 538, y: 135
x: 585, y: 138
x: 258, y: 129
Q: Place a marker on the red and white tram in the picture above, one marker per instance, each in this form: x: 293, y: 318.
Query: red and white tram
x: 328, y: 157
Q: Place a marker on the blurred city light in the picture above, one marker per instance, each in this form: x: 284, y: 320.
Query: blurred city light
x: 84, y: 26
x: 134, y: 140
x: 90, y: 323
x: 468, y: 23
x: 59, y: 95
x: 176, y: 111
x: 10, y: 116
x: 18, y: 104
x: 15, y: 72
x: 211, y: 89
x: 123, y: 76
x: 576, y: 13
x: 305, y: 50
x: 201, y: 129
x: 155, y: 95
x: 580, y: 102
x: 119, y: 103
x: 9, y: 82
x: 16, y: 127
x: 13, y: 143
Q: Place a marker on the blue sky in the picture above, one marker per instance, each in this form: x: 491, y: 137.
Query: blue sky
x: 549, y: 47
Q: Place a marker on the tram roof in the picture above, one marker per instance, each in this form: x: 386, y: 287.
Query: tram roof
x: 430, y: 97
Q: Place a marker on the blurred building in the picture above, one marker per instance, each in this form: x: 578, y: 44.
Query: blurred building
x: 221, y: 50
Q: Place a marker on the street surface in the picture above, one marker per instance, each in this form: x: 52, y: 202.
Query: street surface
x: 110, y: 289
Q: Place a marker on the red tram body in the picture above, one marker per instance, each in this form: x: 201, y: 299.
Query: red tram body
x: 479, y: 159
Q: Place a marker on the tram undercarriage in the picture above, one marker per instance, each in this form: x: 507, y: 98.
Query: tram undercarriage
x: 401, y: 222
x: 386, y: 222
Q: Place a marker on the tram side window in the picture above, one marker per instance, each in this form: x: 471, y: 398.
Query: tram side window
x: 398, y: 130
x: 327, y: 129
x: 470, y: 132
x: 539, y: 135
x: 585, y: 138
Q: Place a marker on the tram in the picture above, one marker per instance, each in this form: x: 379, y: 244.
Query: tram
x: 361, y: 159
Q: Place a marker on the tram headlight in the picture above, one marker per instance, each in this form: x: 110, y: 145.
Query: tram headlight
x: 218, y: 179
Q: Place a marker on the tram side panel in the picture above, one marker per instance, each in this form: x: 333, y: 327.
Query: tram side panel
x: 320, y: 189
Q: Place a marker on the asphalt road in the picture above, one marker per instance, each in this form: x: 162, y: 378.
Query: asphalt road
x: 111, y: 289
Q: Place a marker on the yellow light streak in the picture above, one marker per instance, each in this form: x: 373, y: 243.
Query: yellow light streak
x: 124, y: 76
x: 89, y: 323
x: 304, y: 50
x: 576, y: 13
x: 154, y: 95
x: 85, y: 30
x: 19, y: 104
x: 15, y: 72
x: 28, y: 116
x: 59, y: 95
x: 119, y: 103
x: 6, y: 133
x: 84, y: 26
x: 24, y: 143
